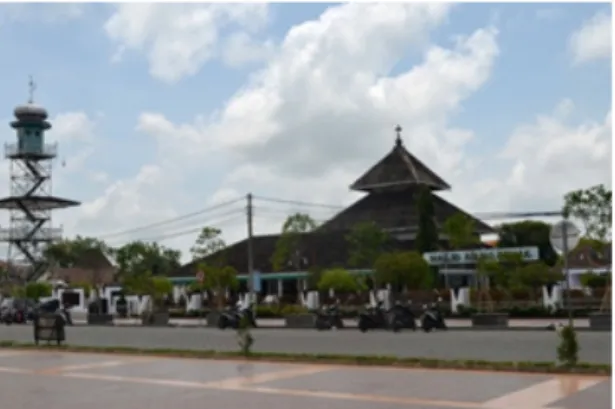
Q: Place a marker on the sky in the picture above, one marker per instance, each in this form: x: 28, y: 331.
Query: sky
x: 164, y: 109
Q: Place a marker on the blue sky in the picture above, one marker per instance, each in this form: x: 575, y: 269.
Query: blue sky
x: 71, y: 55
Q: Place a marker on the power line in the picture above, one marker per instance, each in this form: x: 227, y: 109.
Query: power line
x: 516, y: 215
x: 287, y: 212
x: 169, y: 221
x: 237, y: 214
x: 479, y: 215
x: 264, y: 213
x: 298, y: 202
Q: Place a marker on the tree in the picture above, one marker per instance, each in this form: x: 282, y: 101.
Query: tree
x: 67, y: 252
x: 487, y: 269
x: 510, y: 264
x: 160, y: 288
x: 288, y: 246
x: 459, y: 229
x: 138, y: 258
x: 338, y: 280
x: 528, y: 233
x: 366, y: 241
x: 314, y: 276
x: 593, y: 280
x: 35, y: 290
x: 427, y: 235
x: 536, y: 275
x: 208, y: 243
x: 594, y: 209
x: 144, y: 283
x: 402, y: 269
x: 217, y: 279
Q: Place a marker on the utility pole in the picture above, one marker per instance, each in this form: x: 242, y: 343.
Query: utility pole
x: 567, y: 272
x: 249, y: 211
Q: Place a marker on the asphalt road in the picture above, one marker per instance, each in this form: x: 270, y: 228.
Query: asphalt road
x: 492, y: 345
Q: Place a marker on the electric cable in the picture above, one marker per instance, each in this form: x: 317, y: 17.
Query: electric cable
x: 298, y: 202
x: 288, y: 212
x: 478, y: 215
x: 180, y: 233
x: 170, y: 221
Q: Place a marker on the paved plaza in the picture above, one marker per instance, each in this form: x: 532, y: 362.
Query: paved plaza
x: 59, y: 380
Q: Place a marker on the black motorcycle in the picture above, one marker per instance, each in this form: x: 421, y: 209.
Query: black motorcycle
x: 16, y: 311
x: 6, y: 315
x: 403, y: 317
x: 378, y: 318
x: 432, y: 318
x: 232, y: 317
x: 329, y: 317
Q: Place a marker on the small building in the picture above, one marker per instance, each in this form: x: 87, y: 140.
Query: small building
x: 92, y: 267
x: 586, y: 259
x: 392, y: 185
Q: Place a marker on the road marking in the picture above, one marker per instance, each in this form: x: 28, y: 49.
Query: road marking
x: 269, y: 376
x: 361, y: 397
x: 276, y: 391
x: 541, y: 394
x: 130, y: 379
x: 93, y: 365
x: 11, y: 353
x: 15, y: 370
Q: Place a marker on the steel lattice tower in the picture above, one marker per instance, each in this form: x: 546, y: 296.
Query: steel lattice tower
x: 31, y: 201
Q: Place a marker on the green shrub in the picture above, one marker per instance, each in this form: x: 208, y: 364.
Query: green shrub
x: 293, y: 309
x: 568, y: 349
x: 245, y: 340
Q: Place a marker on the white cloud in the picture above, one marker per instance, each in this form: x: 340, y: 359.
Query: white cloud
x: 323, y: 109
x: 592, y: 41
x: 179, y: 39
x: 325, y: 106
x: 545, y: 159
x: 241, y: 49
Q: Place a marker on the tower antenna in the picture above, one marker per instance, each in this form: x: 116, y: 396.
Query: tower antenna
x: 31, y: 89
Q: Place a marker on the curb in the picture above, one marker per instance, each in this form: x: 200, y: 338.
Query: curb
x: 450, y: 329
x: 351, y: 360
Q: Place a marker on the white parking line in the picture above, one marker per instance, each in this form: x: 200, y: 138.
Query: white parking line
x: 11, y: 353
x: 541, y: 395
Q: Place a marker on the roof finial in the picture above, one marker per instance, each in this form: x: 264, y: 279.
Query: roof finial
x: 31, y: 89
x: 398, y: 130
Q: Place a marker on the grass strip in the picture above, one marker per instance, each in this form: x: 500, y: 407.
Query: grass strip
x: 360, y: 360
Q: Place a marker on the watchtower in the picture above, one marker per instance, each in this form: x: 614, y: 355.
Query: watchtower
x: 31, y: 201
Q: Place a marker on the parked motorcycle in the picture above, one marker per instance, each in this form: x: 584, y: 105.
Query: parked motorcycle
x: 432, y: 318
x: 378, y: 318
x: 232, y: 317
x: 403, y: 316
x: 6, y: 315
x: 329, y: 317
x: 15, y: 311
